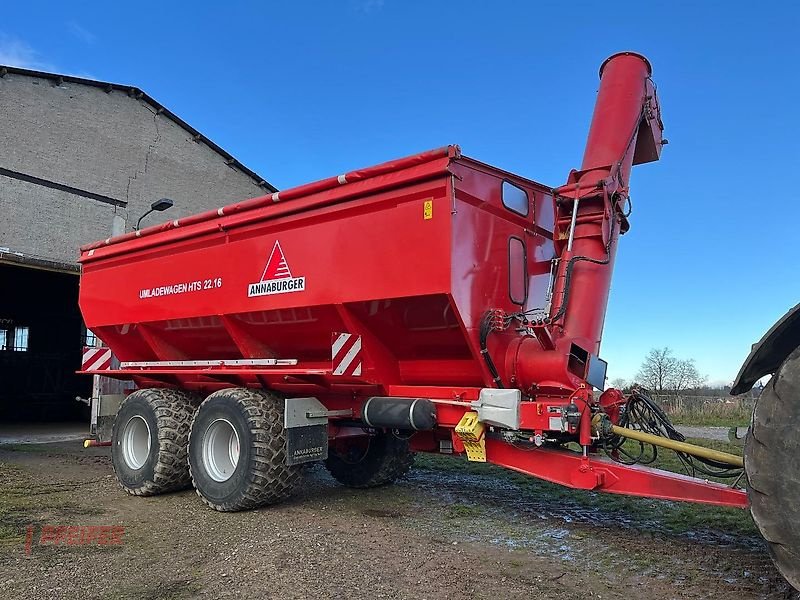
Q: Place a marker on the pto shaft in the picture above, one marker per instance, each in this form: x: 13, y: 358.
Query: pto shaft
x: 655, y: 440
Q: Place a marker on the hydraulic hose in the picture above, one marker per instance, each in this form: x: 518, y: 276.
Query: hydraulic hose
x: 485, y: 329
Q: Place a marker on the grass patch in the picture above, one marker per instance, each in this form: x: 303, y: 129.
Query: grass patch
x: 738, y: 419
x: 24, y: 501
x: 463, y: 511
x: 13, y: 516
x: 708, y: 411
x: 165, y: 590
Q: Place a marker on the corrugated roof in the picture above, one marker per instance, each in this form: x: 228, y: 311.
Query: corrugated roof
x: 138, y: 94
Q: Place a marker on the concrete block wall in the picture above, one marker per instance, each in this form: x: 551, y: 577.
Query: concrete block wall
x: 106, y: 142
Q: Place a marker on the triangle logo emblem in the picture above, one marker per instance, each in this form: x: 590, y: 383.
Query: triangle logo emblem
x: 277, y: 267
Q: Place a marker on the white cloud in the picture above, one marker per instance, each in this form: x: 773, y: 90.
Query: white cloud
x: 368, y: 6
x: 84, y: 35
x: 16, y: 53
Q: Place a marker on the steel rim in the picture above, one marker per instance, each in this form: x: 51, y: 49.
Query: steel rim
x: 221, y: 450
x: 136, y: 442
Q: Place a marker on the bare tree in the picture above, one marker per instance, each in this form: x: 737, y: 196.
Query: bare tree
x: 657, y: 370
x: 662, y: 372
x: 619, y: 383
x: 686, y: 376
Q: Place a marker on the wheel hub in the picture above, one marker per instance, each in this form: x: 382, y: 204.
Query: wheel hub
x: 220, y: 450
x: 135, y: 442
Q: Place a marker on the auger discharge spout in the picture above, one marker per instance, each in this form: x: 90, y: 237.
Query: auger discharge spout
x: 591, y: 213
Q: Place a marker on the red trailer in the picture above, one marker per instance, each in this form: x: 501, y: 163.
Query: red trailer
x: 429, y: 304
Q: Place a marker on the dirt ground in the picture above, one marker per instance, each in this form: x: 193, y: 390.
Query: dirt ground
x: 437, y: 534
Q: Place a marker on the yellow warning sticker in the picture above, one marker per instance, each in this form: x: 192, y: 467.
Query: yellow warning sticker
x: 427, y: 209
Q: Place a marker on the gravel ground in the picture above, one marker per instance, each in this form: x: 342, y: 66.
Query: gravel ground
x: 437, y: 534
x: 719, y: 434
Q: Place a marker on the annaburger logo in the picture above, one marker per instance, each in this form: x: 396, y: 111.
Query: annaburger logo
x: 276, y: 278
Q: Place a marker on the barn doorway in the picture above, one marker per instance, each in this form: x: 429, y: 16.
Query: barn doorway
x: 41, y: 340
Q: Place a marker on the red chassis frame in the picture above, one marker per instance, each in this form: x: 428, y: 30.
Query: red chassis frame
x: 574, y: 470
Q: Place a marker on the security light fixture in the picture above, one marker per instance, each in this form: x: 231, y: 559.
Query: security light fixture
x: 157, y: 206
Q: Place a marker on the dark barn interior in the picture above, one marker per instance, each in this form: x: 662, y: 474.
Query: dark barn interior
x: 41, y: 340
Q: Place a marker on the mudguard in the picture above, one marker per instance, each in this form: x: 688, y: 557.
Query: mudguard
x: 770, y: 352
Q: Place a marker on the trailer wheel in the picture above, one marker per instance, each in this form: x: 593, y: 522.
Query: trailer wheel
x: 237, y: 451
x: 150, y: 436
x: 772, y: 464
x: 371, y: 461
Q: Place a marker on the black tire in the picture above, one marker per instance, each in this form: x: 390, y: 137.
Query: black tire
x: 260, y: 475
x: 149, y: 441
x: 772, y: 464
x: 382, y: 460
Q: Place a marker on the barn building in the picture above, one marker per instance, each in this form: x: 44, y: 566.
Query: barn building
x: 81, y: 160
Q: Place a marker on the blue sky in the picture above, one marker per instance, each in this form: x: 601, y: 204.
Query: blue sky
x: 302, y: 90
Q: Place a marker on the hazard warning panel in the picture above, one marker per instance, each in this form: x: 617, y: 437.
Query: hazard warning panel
x: 346, y: 354
x: 277, y: 276
x: 96, y: 359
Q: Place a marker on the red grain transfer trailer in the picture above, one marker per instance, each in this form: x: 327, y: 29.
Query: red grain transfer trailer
x: 429, y: 304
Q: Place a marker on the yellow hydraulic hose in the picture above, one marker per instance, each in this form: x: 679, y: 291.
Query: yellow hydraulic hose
x: 641, y: 436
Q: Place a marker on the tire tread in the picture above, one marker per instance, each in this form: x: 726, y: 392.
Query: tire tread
x: 387, y: 459
x: 771, y: 460
x: 173, y: 409
x: 269, y: 480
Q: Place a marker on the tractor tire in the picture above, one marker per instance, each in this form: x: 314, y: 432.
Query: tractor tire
x: 772, y: 465
x: 385, y: 459
x: 149, y: 441
x: 237, y: 451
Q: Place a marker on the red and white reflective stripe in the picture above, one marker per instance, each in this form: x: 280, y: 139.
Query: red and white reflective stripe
x: 346, y: 354
x: 96, y: 359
